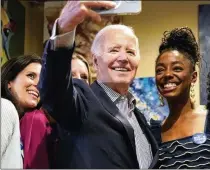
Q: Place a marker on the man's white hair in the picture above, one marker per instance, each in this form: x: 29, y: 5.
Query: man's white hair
x: 98, y: 40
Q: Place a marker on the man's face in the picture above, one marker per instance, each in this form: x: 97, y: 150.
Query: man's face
x: 119, y: 59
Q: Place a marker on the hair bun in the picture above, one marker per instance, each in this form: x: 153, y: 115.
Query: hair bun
x: 183, y: 40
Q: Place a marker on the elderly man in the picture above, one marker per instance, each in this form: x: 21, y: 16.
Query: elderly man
x: 106, y: 128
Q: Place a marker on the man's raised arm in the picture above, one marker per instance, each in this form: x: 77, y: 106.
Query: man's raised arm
x: 58, y: 96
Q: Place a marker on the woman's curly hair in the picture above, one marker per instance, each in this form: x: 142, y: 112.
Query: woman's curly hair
x: 183, y: 40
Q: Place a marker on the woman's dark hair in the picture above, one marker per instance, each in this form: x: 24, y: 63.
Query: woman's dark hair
x: 183, y: 40
x: 11, y: 69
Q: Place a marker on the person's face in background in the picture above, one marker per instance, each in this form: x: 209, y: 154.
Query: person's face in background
x: 24, y: 87
x: 119, y: 59
x: 79, y: 70
x: 174, y: 75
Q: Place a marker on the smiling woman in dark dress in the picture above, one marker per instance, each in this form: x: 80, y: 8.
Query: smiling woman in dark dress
x: 185, y: 133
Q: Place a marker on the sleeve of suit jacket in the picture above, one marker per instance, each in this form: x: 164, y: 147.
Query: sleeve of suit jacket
x: 58, y: 96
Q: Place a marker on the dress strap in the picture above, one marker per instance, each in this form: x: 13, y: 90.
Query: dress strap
x: 207, y: 124
x: 155, y: 126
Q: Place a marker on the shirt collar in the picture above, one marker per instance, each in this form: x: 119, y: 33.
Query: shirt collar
x: 113, y: 95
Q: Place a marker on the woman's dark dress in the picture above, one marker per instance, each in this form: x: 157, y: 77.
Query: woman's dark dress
x: 186, y: 153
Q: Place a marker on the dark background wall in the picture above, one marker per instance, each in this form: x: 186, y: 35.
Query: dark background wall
x: 16, y: 11
x: 204, y: 38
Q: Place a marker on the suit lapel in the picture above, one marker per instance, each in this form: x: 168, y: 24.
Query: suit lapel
x: 113, y: 110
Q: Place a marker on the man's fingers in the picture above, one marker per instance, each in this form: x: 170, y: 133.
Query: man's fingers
x: 75, y: 11
x: 99, y: 4
x: 94, y: 15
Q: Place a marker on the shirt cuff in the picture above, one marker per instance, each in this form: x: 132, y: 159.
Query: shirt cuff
x: 61, y: 41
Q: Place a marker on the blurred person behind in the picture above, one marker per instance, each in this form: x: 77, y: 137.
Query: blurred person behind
x: 81, y: 68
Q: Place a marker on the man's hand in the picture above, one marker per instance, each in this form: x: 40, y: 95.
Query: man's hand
x: 75, y: 11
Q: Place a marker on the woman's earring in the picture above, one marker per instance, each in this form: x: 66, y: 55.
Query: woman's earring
x: 161, y: 100
x: 192, y: 95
